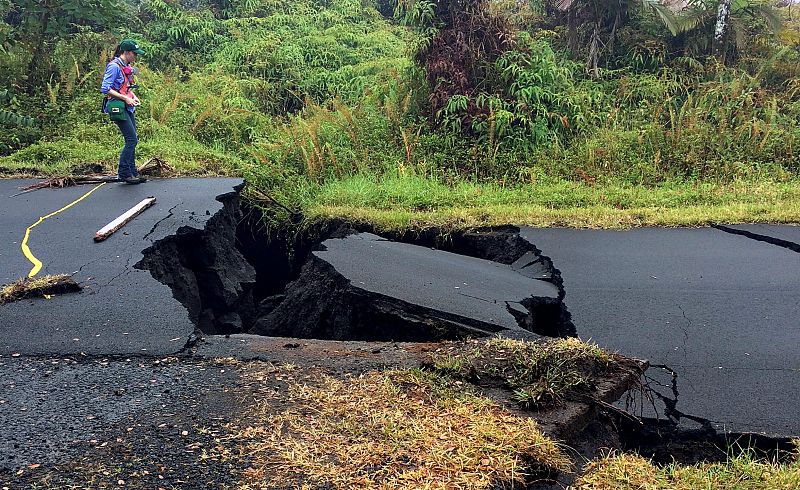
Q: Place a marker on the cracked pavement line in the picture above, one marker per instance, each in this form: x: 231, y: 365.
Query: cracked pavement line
x: 37, y: 264
x: 685, y: 331
x: 125, y: 271
x: 793, y: 246
x: 170, y: 214
x: 671, y: 404
x: 88, y: 264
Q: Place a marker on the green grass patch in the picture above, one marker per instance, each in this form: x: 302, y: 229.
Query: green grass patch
x: 741, y: 472
x: 101, y: 144
x: 402, y: 201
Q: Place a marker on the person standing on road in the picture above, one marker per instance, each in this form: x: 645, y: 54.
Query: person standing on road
x: 120, y: 103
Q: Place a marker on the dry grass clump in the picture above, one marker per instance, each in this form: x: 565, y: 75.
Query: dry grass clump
x: 156, y: 167
x: 392, y: 430
x: 32, y: 287
x: 539, y: 373
x: 740, y: 472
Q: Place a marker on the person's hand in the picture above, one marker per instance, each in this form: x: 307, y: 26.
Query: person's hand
x: 133, y: 100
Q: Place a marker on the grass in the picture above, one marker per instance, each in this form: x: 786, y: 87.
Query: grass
x: 394, y: 202
x: 404, y: 197
x: 399, y: 429
x: 539, y: 373
x: 397, y: 202
x: 32, y: 287
x: 100, y: 143
x: 740, y: 472
x: 391, y: 430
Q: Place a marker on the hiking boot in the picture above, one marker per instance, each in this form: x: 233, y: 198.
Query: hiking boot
x: 132, y: 180
x: 142, y: 178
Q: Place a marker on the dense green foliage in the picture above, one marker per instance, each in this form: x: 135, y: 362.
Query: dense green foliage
x: 295, y: 95
x: 652, y: 112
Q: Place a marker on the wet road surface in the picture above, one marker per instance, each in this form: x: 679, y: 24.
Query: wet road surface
x: 121, y: 310
x: 719, y: 309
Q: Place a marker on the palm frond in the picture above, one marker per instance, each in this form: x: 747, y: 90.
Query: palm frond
x: 665, y: 13
x: 564, y: 4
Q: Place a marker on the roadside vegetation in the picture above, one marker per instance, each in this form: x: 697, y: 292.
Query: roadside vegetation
x: 391, y: 429
x: 422, y: 113
x: 540, y: 375
x: 432, y: 427
x: 741, y: 472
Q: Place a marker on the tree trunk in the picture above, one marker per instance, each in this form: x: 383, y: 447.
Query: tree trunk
x: 721, y: 29
x: 38, y: 52
x: 593, y: 61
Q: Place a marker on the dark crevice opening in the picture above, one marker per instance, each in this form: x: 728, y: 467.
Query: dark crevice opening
x: 665, y: 441
x: 236, y: 272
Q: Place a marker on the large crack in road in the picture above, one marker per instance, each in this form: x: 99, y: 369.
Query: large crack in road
x: 341, y: 282
x: 765, y: 234
x: 345, y: 283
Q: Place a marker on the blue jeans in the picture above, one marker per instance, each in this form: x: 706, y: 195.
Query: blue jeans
x: 127, y: 159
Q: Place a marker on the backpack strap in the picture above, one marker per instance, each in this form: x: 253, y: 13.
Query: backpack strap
x: 125, y: 81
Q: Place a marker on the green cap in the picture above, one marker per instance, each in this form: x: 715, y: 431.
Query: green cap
x: 130, y: 45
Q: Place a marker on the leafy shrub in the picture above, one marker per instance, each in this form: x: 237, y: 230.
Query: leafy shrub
x: 311, y: 91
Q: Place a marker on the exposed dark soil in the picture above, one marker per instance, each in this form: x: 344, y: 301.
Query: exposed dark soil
x: 664, y: 441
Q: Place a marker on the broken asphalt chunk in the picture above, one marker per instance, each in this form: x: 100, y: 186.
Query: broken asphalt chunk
x: 366, y: 287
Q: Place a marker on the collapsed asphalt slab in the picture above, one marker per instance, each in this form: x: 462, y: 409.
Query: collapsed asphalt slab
x: 366, y: 287
x: 716, y: 309
x: 121, y: 310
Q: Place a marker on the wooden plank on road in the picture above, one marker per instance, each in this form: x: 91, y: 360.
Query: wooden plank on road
x: 118, y: 223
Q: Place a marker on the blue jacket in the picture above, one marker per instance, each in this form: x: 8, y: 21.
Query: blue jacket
x: 114, y: 78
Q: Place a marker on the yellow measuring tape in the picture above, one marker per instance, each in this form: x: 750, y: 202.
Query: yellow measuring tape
x: 37, y: 264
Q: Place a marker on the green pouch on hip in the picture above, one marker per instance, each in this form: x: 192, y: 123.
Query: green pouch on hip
x: 117, y: 110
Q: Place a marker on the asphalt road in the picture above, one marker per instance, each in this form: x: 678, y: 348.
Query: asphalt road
x: 719, y: 309
x: 121, y: 310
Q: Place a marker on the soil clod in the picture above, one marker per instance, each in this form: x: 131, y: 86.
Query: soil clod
x: 37, y: 287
